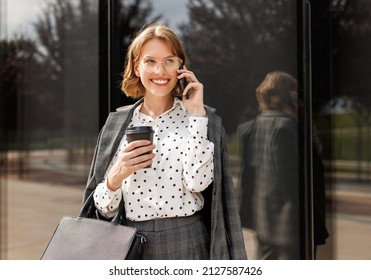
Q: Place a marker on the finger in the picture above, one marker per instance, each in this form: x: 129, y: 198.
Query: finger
x: 189, y: 75
x: 142, y: 158
x: 193, y: 87
x: 187, y: 93
x: 135, y: 144
x: 144, y: 164
x: 129, y: 153
x: 139, y: 152
x: 141, y: 165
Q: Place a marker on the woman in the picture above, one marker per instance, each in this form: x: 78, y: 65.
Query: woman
x: 270, y: 183
x: 177, y: 191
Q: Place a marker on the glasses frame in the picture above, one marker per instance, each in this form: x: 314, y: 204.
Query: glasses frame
x: 158, y: 63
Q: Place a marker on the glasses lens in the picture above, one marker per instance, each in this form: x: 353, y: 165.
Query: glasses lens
x: 151, y: 65
x: 171, y: 63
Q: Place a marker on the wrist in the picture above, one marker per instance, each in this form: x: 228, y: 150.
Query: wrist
x: 197, y: 113
x: 112, y: 185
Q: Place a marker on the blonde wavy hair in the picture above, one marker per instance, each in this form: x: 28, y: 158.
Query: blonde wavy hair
x: 131, y: 84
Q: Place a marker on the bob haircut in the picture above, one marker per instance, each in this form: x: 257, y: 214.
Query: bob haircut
x: 275, y: 90
x: 131, y: 84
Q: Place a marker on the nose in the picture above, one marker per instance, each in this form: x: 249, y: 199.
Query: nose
x: 160, y: 68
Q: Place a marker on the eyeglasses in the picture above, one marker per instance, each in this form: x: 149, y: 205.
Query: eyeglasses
x: 151, y: 65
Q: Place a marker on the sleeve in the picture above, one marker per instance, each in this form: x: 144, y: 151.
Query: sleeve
x: 235, y: 239
x: 198, y: 158
x: 107, y: 201
x: 285, y: 160
x: 91, y: 182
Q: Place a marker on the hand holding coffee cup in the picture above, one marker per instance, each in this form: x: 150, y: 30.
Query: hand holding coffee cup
x: 135, y: 133
x: 136, y: 155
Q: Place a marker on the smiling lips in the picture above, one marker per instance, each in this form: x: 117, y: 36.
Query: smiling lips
x: 160, y: 82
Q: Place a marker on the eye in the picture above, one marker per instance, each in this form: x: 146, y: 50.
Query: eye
x: 170, y: 61
x: 150, y: 62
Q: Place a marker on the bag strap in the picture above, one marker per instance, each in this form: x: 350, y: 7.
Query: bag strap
x: 120, y: 217
x: 88, y: 210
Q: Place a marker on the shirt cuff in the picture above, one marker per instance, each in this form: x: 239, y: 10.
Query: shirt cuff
x: 110, y: 193
x: 198, y: 126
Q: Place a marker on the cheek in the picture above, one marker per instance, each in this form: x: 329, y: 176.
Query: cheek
x: 144, y: 79
x: 174, y: 78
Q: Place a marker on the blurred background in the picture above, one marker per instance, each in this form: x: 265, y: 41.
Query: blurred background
x: 60, y: 74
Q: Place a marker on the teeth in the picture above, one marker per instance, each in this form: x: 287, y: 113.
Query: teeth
x: 160, y: 81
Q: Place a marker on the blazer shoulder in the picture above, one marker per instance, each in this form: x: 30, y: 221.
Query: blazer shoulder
x: 212, y: 115
x: 128, y: 108
x: 246, y: 127
x: 125, y: 108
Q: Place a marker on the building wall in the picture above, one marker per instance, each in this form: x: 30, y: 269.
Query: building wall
x: 60, y: 75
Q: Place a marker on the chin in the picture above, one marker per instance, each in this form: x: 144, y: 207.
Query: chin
x: 159, y: 94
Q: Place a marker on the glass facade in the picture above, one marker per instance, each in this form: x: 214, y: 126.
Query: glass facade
x: 60, y: 74
x: 49, y: 105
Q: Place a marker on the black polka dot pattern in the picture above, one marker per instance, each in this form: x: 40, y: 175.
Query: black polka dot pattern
x: 182, y: 168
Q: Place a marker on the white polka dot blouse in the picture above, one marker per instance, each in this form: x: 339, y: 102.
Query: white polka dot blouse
x: 181, y: 170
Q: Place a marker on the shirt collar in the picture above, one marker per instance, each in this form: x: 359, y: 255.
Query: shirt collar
x: 177, y: 102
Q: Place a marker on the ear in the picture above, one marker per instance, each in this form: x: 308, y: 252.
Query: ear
x: 136, y: 69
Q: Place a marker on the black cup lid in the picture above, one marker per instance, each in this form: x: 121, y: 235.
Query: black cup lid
x: 139, y: 129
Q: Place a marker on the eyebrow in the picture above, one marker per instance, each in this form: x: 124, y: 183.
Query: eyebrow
x: 148, y: 56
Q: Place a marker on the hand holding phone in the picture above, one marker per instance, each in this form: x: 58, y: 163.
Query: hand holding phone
x: 183, y: 83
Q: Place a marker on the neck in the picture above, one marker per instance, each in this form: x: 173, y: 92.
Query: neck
x: 156, y: 107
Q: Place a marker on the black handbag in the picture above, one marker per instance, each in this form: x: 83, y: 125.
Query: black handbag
x: 91, y: 237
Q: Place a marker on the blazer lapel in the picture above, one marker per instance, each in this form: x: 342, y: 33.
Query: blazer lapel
x: 112, y: 133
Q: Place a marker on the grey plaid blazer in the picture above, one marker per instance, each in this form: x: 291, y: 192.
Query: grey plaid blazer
x: 220, y: 212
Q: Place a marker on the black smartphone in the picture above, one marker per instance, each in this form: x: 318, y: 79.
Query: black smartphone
x: 182, y: 83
